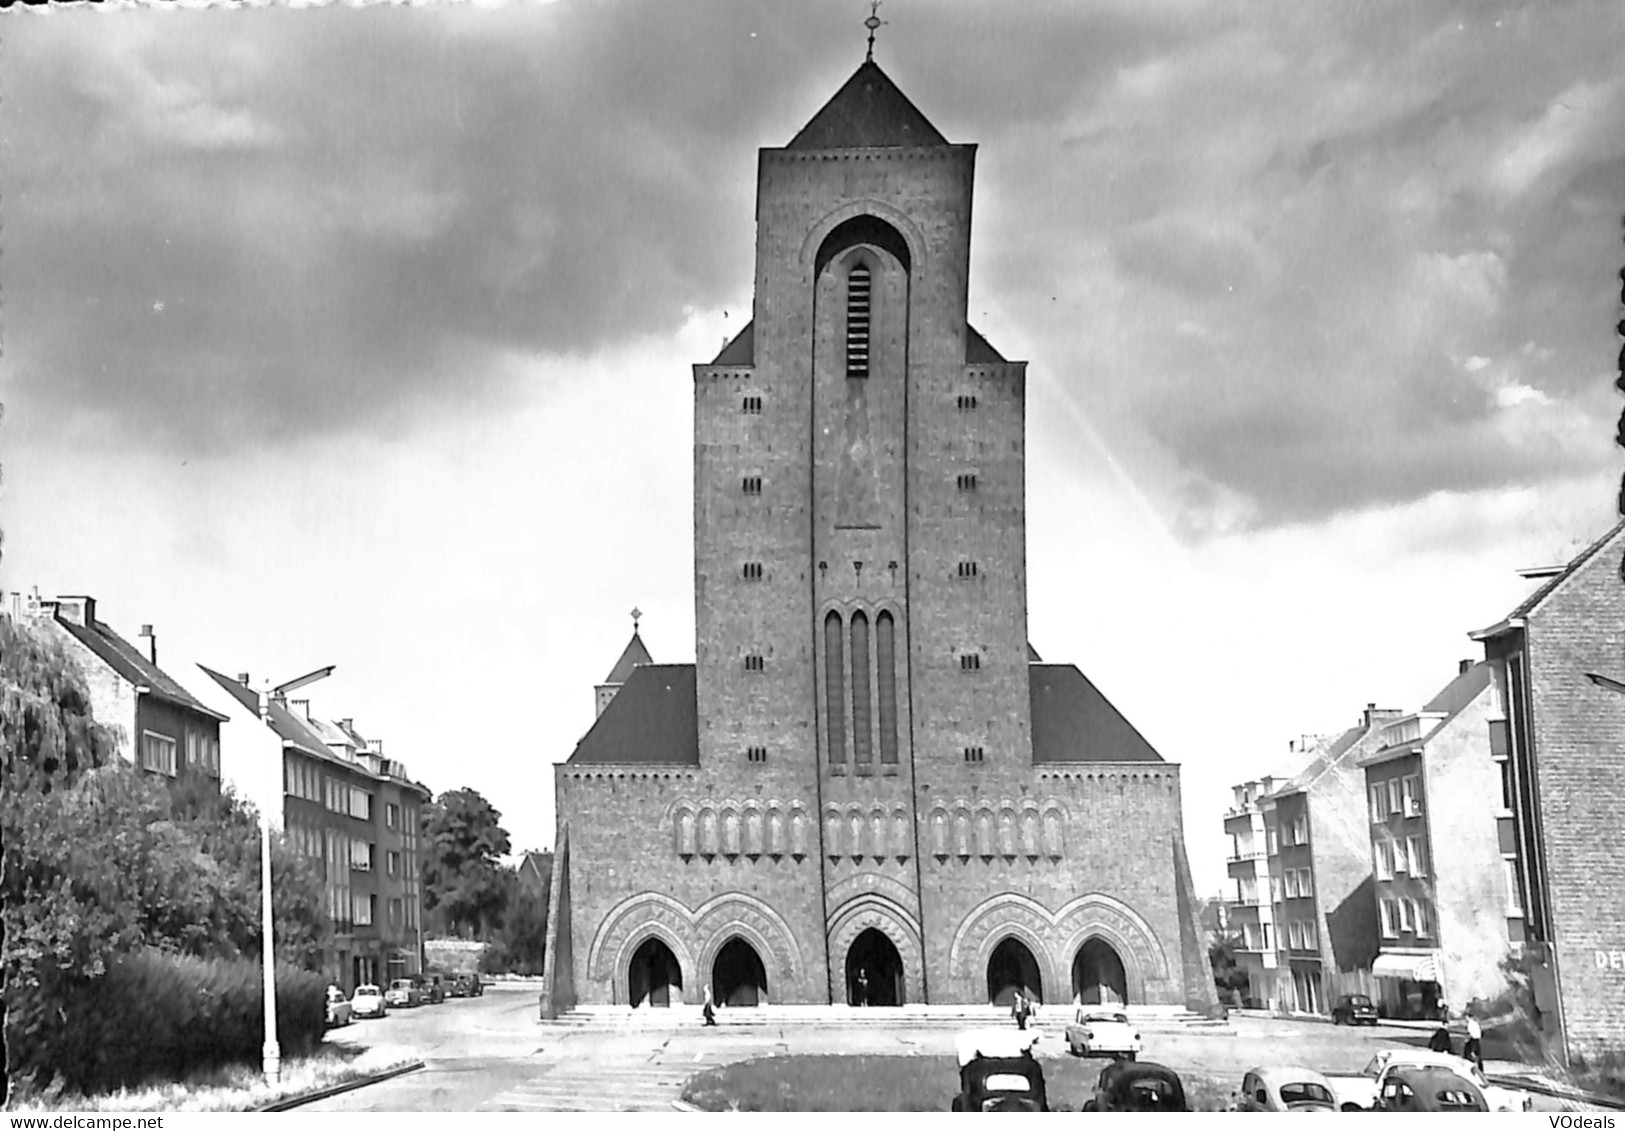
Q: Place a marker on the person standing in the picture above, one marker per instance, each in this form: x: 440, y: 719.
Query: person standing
x: 1473, y: 1050
x: 863, y: 987
x: 1018, y: 1009
x: 710, y: 1009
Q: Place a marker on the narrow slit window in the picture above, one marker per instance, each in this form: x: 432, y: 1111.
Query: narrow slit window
x: 886, y: 665
x: 970, y: 661
x: 753, y: 571
x: 752, y: 484
x: 755, y: 753
x: 751, y: 406
x: 967, y: 569
x: 858, y: 295
x: 967, y: 402
x: 974, y: 754
x: 967, y: 482
x: 755, y: 663
x: 862, y: 742
x: 834, y: 689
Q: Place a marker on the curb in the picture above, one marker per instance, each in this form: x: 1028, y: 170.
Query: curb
x: 288, y: 1103
x: 684, y: 1105
x: 1540, y: 1087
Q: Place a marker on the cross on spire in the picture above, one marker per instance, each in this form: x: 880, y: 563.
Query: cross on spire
x: 637, y: 615
x: 874, y: 23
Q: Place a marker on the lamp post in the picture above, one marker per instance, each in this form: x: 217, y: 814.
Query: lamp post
x: 271, y: 1051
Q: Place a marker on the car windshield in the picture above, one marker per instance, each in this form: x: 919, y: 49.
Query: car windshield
x: 1006, y: 1082
x: 1305, y: 1093
x: 366, y: 991
x: 1106, y: 1018
x: 1359, y: 999
x: 400, y: 985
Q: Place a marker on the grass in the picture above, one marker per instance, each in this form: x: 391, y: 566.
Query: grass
x: 233, y: 1088
x: 891, y: 1083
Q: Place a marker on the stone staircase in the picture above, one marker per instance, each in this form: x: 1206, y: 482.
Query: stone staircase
x: 620, y: 1018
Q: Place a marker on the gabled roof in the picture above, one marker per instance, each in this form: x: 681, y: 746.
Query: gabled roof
x: 978, y: 351
x: 634, y: 655
x: 1459, y: 692
x: 869, y: 112
x: 1074, y: 722
x: 1530, y: 603
x: 287, y: 725
x: 1319, y: 764
x: 131, y: 666
x: 652, y: 719
x: 1032, y: 654
x: 741, y: 350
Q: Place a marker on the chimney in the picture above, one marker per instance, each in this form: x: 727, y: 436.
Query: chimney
x: 242, y: 678
x: 375, y: 746
x: 1466, y: 666
x: 300, y: 707
x: 347, y: 724
x: 152, y: 643
x: 77, y: 610
x: 1373, y: 715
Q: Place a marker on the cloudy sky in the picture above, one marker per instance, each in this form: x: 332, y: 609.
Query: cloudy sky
x: 362, y: 336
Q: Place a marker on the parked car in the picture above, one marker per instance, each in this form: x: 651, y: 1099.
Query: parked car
x: 368, y: 1001
x: 1138, y: 1086
x: 476, y: 985
x: 997, y: 1072
x: 403, y: 994
x: 1354, y: 1009
x: 339, y: 1010
x: 1359, y: 1093
x: 464, y: 985
x: 432, y: 989
x: 1283, y: 1088
x: 1102, y: 1032
x: 1430, y: 1089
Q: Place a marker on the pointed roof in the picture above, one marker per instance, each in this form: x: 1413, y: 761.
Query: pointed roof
x: 131, y: 665
x: 869, y: 112
x: 289, y: 727
x: 978, y: 351
x: 1516, y: 616
x: 741, y: 350
x: 1074, y: 722
x: 634, y: 655
x: 651, y: 720
x: 1458, y: 693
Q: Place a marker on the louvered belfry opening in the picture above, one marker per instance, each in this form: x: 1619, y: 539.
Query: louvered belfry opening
x: 859, y: 293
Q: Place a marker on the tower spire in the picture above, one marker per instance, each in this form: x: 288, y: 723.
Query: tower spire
x: 873, y: 23
x: 637, y: 615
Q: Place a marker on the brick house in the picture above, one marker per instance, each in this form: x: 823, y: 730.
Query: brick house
x: 355, y: 813
x: 161, y: 726
x: 1559, y: 667
x: 1432, y: 791
x: 867, y: 788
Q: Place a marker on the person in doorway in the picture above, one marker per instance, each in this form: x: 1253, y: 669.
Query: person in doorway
x: 1019, y: 1009
x: 1473, y: 1050
x: 863, y: 987
x: 710, y: 1008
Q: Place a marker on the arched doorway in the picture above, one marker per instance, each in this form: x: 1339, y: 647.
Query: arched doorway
x: 874, y: 970
x: 1012, y: 967
x: 1098, y: 977
x: 654, y: 976
x: 737, y: 976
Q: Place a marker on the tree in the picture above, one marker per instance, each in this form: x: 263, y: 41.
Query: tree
x: 463, y: 887
x: 1230, y: 979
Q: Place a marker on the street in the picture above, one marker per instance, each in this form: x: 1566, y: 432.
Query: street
x: 491, y: 1053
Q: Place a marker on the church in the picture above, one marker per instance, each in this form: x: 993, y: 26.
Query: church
x: 868, y: 789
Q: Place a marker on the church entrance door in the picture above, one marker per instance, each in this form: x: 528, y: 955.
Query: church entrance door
x: 874, y: 971
x: 1012, y: 967
x: 654, y: 977
x: 1097, y: 975
x: 738, y: 977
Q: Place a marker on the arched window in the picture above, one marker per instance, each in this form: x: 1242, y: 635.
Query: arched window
x: 862, y: 739
x: 834, y: 689
x: 886, y: 665
x: 858, y: 295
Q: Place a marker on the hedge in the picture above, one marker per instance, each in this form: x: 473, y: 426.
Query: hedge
x: 159, y: 1016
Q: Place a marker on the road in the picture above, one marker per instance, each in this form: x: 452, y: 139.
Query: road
x: 492, y: 1054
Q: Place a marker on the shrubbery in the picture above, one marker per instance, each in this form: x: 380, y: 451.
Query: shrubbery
x: 157, y: 1015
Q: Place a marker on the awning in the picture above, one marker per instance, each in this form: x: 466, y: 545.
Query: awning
x: 1413, y: 967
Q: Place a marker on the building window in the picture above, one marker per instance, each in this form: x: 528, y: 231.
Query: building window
x: 973, y: 754
x: 1300, y: 829
x: 336, y: 797
x: 392, y: 815
x: 1395, y: 804
x: 1290, y: 885
x: 1424, y: 918
x: 862, y: 736
x: 360, y: 804
x: 858, y: 296
x: 755, y: 663
x: 158, y: 753
x: 755, y: 753
x: 396, y: 912
x: 967, y: 569
x: 1507, y: 793
x: 1514, y: 892
x: 1294, y: 935
x: 1268, y: 943
x: 1418, y: 857
x: 1385, y: 909
x: 886, y: 662
x: 1311, y: 935
x: 1272, y: 839
x: 1407, y: 918
x: 751, y: 484
x: 362, y: 905
x: 834, y: 688
x: 967, y: 402
x: 392, y: 863
x: 753, y: 571
x: 970, y: 661
x: 751, y: 406
x: 1411, y: 793
x: 1306, y: 883
x: 967, y: 481
x: 1379, y: 806
x: 1384, y: 857
x: 1399, y: 857
x: 360, y: 855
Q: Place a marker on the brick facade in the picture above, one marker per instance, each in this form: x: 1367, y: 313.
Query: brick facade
x: 864, y: 761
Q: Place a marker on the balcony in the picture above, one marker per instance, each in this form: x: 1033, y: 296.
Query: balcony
x: 1244, y: 854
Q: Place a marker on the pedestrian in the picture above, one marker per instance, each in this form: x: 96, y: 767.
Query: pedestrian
x: 1473, y: 1050
x: 1441, y: 1040
x: 1018, y: 1009
x: 709, y: 1009
x: 863, y: 987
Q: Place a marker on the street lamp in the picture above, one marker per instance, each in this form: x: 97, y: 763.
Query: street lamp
x: 271, y: 1052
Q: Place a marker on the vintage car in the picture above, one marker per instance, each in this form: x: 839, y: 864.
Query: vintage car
x: 997, y: 1072
x: 464, y: 985
x: 1359, y: 1093
x: 403, y: 994
x: 431, y: 988
x: 1285, y: 1088
x: 1354, y: 1009
x: 339, y: 1011
x: 1429, y: 1089
x: 1102, y: 1032
x: 368, y: 1001
x: 1126, y: 1085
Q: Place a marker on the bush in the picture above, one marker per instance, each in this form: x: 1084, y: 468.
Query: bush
x: 157, y: 1015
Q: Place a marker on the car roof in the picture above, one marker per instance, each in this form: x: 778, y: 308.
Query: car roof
x: 365, y: 987
x: 1288, y: 1074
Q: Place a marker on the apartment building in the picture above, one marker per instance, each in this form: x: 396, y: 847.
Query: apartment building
x: 1251, y: 910
x: 354, y: 812
x: 1558, y: 662
x: 1439, y: 881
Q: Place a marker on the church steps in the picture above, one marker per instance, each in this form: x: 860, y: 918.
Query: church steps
x: 601, y: 1018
